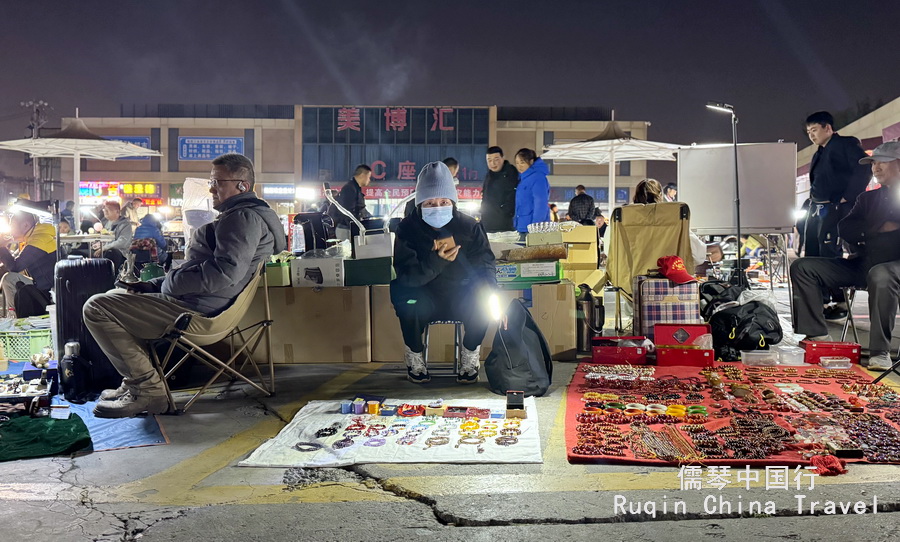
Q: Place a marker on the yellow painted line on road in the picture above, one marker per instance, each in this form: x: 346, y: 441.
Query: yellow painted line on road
x: 178, y: 484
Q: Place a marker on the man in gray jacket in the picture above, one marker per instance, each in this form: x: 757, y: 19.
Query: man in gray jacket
x: 222, y: 258
x: 122, y: 231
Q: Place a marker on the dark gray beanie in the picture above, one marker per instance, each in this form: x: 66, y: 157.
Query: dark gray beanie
x: 435, y: 181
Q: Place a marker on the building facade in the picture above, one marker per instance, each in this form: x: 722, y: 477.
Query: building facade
x: 303, y: 146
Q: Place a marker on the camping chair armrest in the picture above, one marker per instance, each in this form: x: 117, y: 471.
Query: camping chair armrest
x: 182, y: 322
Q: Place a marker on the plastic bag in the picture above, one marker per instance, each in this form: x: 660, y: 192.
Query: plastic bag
x: 766, y: 297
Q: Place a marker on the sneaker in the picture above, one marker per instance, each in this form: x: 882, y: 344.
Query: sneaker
x: 469, y: 365
x: 416, y: 370
x: 110, y: 395
x: 836, y: 314
x: 880, y: 362
x: 129, y: 405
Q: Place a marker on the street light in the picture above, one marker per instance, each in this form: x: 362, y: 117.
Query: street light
x: 728, y: 108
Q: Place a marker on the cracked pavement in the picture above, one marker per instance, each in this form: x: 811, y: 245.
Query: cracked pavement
x: 192, y: 489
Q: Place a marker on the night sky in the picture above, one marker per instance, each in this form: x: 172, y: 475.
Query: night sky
x: 659, y: 61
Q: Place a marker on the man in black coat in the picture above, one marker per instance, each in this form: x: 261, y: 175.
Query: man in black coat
x: 836, y: 178
x: 352, y: 199
x: 873, y: 226
x: 445, y: 271
x: 498, y: 196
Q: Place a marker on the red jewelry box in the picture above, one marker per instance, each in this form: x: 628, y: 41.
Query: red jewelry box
x: 671, y: 340
x: 819, y: 349
x: 606, y: 351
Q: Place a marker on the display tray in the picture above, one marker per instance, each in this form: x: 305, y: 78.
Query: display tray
x: 794, y: 454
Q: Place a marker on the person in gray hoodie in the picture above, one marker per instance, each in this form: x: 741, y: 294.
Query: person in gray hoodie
x: 222, y: 258
x: 122, y: 230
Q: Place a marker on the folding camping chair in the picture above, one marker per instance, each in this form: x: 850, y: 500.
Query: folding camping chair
x: 640, y: 235
x: 850, y: 324
x: 191, y: 332
x: 376, y: 243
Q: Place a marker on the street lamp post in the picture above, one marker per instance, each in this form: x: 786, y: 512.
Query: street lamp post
x: 728, y: 108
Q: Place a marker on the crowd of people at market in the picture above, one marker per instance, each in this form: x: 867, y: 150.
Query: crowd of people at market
x: 442, y: 257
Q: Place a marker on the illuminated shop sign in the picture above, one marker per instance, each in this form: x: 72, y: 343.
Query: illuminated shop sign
x: 96, y: 192
x: 279, y: 191
x: 207, y: 148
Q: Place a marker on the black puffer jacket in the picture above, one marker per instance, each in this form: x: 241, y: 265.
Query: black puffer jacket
x: 417, y: 264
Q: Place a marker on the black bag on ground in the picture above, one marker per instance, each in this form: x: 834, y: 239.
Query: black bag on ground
x: 714, y: 293
x: 76, y: 281
x: 751, y: 326
x: 520, y: 357
x: 30, y: 301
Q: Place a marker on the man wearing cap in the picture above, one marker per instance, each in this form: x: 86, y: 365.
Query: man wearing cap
x: 445, y: 271
x: 33, y: 262
x: 836, y: 178
x: 873, y: 226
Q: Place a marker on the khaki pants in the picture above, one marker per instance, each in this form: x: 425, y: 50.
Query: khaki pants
x: 122, y: 323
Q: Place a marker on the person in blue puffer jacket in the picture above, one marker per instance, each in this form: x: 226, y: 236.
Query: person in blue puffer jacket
x: 151, y: 228
x: 533, y: 192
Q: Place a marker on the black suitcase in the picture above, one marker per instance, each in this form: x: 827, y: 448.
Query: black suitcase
x: 76, y: 280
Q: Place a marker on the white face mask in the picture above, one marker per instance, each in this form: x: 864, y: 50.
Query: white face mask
x: 437, y: 217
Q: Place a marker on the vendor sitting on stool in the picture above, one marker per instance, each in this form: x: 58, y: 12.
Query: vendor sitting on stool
x: 36, y: 256
x: 445, y: 271
x: 873, y: 226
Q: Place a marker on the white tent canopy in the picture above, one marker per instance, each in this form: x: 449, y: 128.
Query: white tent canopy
x: 77, y: 142
x: 611, y: 146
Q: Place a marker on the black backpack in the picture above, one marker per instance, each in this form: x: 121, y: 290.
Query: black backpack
x: 520, y: 357
x: 714, y: 293
x: 751, y: 326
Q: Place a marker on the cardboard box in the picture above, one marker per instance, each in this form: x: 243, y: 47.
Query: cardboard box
x: 368, y: 272
x: 387, y: 341
x: 315, y: 325
x: 578, y: 273
x: 529, y: 272
x: 579, y: 234
x: 317, y: 272
x: 553, y: 308
x: 278, y: 274
x: 581, y: 253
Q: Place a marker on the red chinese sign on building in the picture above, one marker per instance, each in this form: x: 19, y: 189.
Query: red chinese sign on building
x: 439, y: 123
x: 406, y: 171
x: 348, y: 119
x: 395, y: 119
x: 398, y: 192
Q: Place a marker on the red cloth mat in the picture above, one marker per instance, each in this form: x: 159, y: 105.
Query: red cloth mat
x: 574, y: 405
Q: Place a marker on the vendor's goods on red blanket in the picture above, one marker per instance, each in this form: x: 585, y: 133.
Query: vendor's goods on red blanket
x: 731, y: 414
x: 661, y: 301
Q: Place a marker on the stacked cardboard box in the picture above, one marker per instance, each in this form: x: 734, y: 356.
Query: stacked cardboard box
x: 581, y: 246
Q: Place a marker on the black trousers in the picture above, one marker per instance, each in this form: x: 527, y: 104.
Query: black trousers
x: 821, y: 239
x: 882, y: 281
x: 116, y: 257
x: 418, y: 306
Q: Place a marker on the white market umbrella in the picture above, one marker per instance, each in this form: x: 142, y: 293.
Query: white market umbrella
x: 77, y: 142
x: 611, y: 146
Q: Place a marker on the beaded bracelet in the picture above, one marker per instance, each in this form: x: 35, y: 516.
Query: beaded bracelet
x: 506, y: 440
x: 343, y: 443
x: 375, y: 442
x: 308, y: 446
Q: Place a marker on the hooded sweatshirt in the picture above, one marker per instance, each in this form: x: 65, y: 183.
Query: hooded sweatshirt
x: 151, y: 229
x: 224, y: 254
x: 533, y: 196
